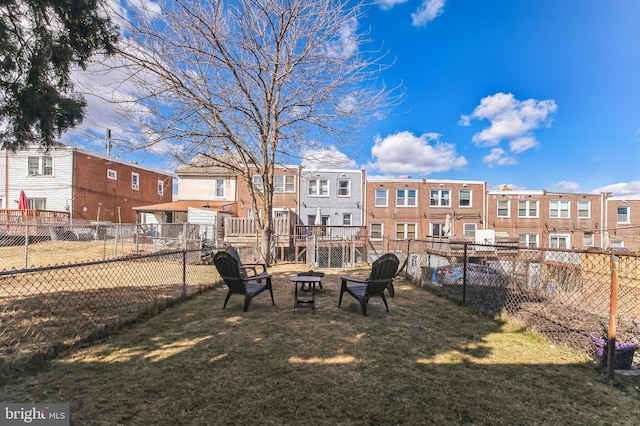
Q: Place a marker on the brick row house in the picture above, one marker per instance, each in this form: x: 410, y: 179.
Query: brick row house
x: 548, y: 219
x: 396, y: 209
x: 419, y: 208
x: 84, y: 185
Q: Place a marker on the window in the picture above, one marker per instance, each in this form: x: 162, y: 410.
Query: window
x: 112, y: 174
x: 347, y: 219
x: 280, y: 214
x: 160, y: 187
x: 528, y: 240
x: 406, y: 231
x: 257, y: 181
x: 558, y: 241
x: 617, y: 243
x: 527, y: 208
x: 440, y: 197
x: 47, y: 166
x: 376, y: 231
x: 465, y: 198
x: 382, y: 197
x: 469, y: 230
x: 284, y: 183
x: 437, y: 229
x: 623, y: 214
x: 587, y: 239
x: 319, y: 188
x: 344, y: 187
x: 559, y: 209
x: 503, y: 208
x: 37, y: 203
x: 135, y: 181
x: 219, y: 188
x: 584, y: 209
x: 40, y: 166
x: 406, y: 198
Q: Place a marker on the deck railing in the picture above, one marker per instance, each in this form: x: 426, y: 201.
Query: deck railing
x: 247, y: 227
x: 33, y: 217
x: 302, y: 232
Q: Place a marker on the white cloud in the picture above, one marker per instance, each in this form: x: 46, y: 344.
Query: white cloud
x: 329, y: 158
x: 347, y: 43
x: 567, y: 186
x: 388, y: 4
x: 498, y: 157
x: 404, y: 153
x: 428, y: 11
x: 522, y: 144
x: 622, y: 189
x: 509, y: 118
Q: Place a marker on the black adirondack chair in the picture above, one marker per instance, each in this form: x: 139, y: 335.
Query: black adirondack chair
x: 383, y: 270
x: 247, y: 270
x: 250, y: 287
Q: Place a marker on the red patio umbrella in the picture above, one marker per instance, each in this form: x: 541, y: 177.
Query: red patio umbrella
x: 23, y: 204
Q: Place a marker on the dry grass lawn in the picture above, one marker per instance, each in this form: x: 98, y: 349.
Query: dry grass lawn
x: 427, y: 361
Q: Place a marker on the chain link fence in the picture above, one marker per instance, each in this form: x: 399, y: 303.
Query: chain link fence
x: 564, y: 294
x: 31, y: 246
x: 45, y: 310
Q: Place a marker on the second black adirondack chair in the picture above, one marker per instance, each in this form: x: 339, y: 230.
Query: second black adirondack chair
x: 383, y: 270
x: 250, y: 287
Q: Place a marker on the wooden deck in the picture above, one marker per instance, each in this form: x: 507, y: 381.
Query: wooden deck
x: 30, y: 222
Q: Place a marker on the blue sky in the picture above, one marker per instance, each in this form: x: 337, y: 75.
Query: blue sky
x: 538, y: 94
x: 535, y: 94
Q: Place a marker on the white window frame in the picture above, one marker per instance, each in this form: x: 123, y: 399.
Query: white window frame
x: 460, y: 198
x: 41, y: 167
x: 112, y: 174
x: 340, y: 189
x: 617, y: 243
x: 218, y: 187
x: 377, y: 198
x: 508, y: 208
x: 258, y: 182
x: 469, y: 229
x: 529, y: 205
x: 529, y: 239
x: 583, y: 209
x: 624, y: 217
x: 347, y: 217
x: 284, y: 183
x: 318, y: 187
x: 373, y: 235
x: 405, y: 230
x: 563, y: 208
x: 434, y: 226
x: 160, y: 187
x: 588, y: 239
x: 135, y: 181
x: 406, y: 200
x: 437, y: 198
x: 558, y: 238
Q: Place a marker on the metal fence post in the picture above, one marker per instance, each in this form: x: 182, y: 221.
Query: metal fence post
x: 184, y: 273
x: 464, y: 274
x: 26, y: 246
x: 613, y: 316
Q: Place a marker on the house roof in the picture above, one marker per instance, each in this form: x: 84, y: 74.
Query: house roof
x: 183, y: 206
x: 207, y: 165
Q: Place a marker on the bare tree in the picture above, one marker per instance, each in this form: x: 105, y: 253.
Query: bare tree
x: 247, y: 83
